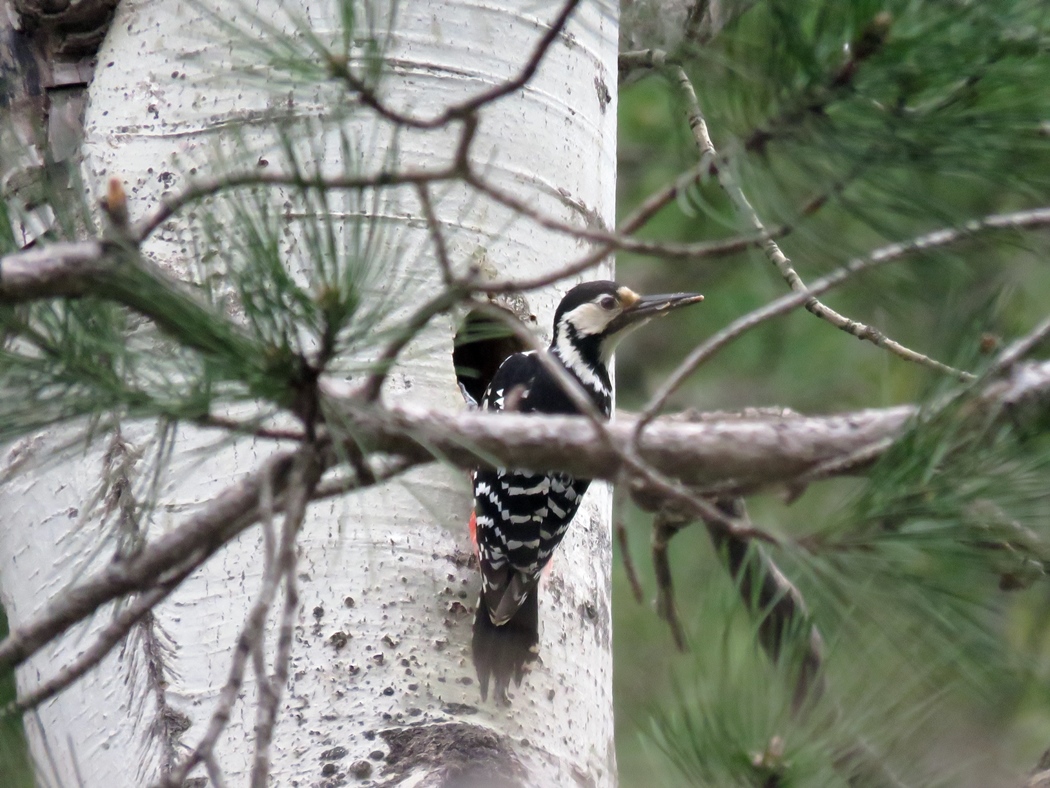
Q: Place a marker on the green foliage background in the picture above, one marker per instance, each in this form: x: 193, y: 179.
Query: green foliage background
x: 941, y: 673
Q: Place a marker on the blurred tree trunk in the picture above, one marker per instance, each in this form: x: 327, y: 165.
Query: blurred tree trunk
x: 380, y: 681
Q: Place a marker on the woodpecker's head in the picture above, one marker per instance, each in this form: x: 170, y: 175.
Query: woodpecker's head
x: 593, y: 317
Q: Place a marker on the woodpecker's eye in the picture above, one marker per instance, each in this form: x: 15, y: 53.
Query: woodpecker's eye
x: 608, y: 302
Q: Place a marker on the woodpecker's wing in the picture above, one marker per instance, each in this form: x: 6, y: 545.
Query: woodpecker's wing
x: 513, y: 383
x: 503, y: 587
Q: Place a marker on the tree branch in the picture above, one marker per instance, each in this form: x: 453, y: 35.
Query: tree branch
x: 736, y: 194
x: 340, y: 69
x: 725, y: 454
x: 665, y: 527
x: 204, y: 188
x: 1036, y: 217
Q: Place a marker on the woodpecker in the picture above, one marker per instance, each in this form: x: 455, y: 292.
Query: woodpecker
x: 520, y: 516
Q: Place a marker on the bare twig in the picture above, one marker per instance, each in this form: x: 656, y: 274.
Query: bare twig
x: 442, y: 302
x: 642, y: 58
x: 205, y: 188
x: 436, y: 236
x: 1039, y: 217
x: 192, y: 543
x: 271, y: 574
x: 641, y: 215
x: 1019, y: 348
x: 778, y: 258
x: 249, y: 428
x: 618, y: 241
x: 304, y: 480
x: 340, y: 69
x: 250, y: 632
x: 628, y: 562
x: 664, y: 528
x: 211, y: 766
x: 111, y: 635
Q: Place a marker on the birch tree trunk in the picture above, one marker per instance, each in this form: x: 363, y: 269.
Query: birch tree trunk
x: 381, y: 686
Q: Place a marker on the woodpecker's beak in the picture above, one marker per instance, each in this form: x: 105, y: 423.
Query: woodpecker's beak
x: 648, y: 307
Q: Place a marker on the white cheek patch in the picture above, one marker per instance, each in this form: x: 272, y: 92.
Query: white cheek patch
x: 590, y: 319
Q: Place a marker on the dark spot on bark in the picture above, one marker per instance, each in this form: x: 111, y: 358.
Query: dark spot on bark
x: 353, y: 670
x: 376, y: 755
x: 379, y: 659
x: 456, y: 754
x: 459, y: 708
x: 339, y: 640
x: 413, y: 687
x: 604, y: 97
x: 329, y: 769
x: 388, y: 691
x: 457, y: 608
x: 464, y: 559
x: 318, y: 612
x: 550, y: 694
x: 361, y: 769
x: 334, y: 754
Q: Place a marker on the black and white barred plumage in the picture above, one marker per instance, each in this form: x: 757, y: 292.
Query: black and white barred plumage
x: 520, y: 515
x: 523, y: 516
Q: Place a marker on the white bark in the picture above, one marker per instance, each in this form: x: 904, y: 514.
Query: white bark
x: 382, y: 632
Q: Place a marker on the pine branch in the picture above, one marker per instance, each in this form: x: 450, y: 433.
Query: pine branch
x: 109, y: 271
x: 736, y: 194
x: 774, y: 600
x: 1036, y: 217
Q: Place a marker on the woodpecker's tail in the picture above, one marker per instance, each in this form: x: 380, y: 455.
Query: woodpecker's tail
x: 502, y: 653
